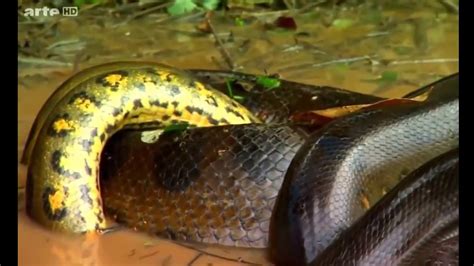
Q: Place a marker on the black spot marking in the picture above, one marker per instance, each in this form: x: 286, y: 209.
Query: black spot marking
x: 103, y: 81
x: 169, y: 77
x: 175, y: 90
x: 54, y: 215
x: 102, y: 137
x: 99, y: 217
x: 224, y: 121
x: 102, y: 78
x: 123, y: 73
x: 137, y: 104
x: 87, y: 145
x: 62, y: 132
x: 141, y: 86
x: 177, y: 113
x: 125, y: 116
x: 212, y: 121
x: 55, y: 164
x: 166, y: 117
x: 110, y: 129
x: 85, y: 96
x: 87, y: 168
x: 94, y: 133
x: 97, y: 227
x: 234, y: 104
x: 117, y: 111
x: 175, y: 104
x: 148, y: 125
x: 230, y: 110
x: 79, y: 217
x: 211, y: 100
x: 85, y: 194
x: 194, y: 110
x: 159, y: 104
x: 152, y: 71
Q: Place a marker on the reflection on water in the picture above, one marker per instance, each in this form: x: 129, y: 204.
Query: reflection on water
x: 385, y: 52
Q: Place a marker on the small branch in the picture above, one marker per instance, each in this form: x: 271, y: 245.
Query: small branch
x: 47, y: 28
x: 111, y: 229
x: 147, y: 11
x: 181, y: 17
x: 225, y: 54
x: 309, y: 6
x: 332, y: 62
x: 425, y: 61
x: 377, y: 34
x: 452, y: 7
x: 41, y: 61
x: 215, y: 255
x: 148, y: 255
x: 194, y: 259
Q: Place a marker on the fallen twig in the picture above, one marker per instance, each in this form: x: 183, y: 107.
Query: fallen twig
x: 148, y: 255
x: 450, y: 6
x: 377, y: 34
x: 215, y: 255
x: 147, y: 11
x: 195, y: 259
x: 425, y: 61
x: 41, y: 61
x: 327, y: 63
x: 182, y: 17
x: 47, y: 28
x: 225, y: 54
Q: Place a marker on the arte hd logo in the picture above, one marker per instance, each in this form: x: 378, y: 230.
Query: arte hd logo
x: 66, y: 11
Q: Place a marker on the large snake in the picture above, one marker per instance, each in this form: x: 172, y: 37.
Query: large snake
x: 292, y: 187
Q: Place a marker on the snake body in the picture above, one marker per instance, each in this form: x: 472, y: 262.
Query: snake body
x: 241, y: 185
x: 415, y: 217
x: 320, y: 195
x: 62, y: 185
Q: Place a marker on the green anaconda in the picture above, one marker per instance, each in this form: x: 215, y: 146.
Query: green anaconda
x: 245, y: 176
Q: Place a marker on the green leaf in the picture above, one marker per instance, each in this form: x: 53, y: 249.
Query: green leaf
x: 231, y: 92
x: 176, y: 127
x: 342, y: 23
x: 180, y: 7
x: 386, y: 78
x: 239, y: 98
x: 389, y: 76
x: 210, y: 4
x: 268, y: 83
x: 229, y: 87
x: 239, y: 22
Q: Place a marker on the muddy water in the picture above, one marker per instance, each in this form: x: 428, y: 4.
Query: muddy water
x: 387, y: 53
